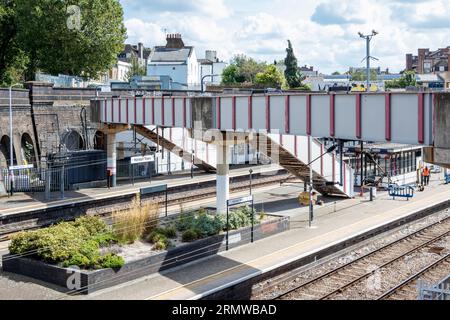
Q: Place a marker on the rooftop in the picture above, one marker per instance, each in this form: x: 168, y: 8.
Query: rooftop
x: 164, y: 54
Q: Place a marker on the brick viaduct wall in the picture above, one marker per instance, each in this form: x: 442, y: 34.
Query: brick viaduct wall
x: 57, y: 114
x: 22, y: 124
x: 46, y: 115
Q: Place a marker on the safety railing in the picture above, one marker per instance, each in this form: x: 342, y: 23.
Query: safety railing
x: 396, y: 191
x: 34, y: 179
x: 440, y: 291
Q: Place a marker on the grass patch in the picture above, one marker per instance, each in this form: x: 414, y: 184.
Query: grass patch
x: 136, y: 222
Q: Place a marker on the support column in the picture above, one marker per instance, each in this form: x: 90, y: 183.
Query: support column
x: 112, y: 159
x: 223, y: 178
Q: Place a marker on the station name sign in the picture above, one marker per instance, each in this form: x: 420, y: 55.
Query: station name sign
x: 29, y: 166
x: 235, y: 202
x: 142, y: 159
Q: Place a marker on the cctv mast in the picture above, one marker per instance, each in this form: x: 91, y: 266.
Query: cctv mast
x: 368, y: 56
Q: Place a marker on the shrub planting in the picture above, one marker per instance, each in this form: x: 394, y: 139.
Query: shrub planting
x: 189, y: 235
x: 201, y: 224
x: 69, y: 244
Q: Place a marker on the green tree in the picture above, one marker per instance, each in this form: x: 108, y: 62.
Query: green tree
x: 136, y: 69
x: 242, y: 69
x: 74, y: 37
x: 407, y: 80
x: 271, y: 77
x: 336, y: 73
x: 13, y: 60
x: 230, y: 75
x: 293, y: 77
x: 362, y: 76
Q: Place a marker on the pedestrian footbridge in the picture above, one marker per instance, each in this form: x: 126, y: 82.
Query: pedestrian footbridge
x: 406, y: 118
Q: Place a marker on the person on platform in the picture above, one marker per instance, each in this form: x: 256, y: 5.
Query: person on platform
x: 426, y: 176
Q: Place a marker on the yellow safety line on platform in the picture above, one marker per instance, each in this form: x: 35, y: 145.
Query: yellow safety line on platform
x: 254, y: 263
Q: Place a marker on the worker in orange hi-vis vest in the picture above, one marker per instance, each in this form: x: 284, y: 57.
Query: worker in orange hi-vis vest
x: 426, y: 176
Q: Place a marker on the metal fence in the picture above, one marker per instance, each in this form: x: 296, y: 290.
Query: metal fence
x: 125, y: 170
x: 438, y: 292
x: 34, y: 180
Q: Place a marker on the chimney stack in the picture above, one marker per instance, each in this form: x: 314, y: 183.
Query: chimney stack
x: 141, y: 50
x: 409, y: 62
x: 174, y: 41
x: 421, y: 60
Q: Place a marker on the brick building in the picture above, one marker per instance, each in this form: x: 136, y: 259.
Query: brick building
x: 428, y: 61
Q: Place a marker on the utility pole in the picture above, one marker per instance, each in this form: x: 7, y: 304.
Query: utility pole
x: 311, y: 181
x: 368, y: 38
x: 203, y: 80
x: 311, y: 186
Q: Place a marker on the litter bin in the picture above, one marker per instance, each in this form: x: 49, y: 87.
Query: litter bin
x: 373, y: 193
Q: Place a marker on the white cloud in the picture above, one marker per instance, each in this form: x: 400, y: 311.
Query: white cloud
x: 261, y: 29
x: 146, y: 32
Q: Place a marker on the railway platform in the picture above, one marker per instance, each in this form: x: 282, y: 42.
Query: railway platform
x: 335, y: 223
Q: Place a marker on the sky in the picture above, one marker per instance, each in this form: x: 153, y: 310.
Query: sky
x: 324, y: 33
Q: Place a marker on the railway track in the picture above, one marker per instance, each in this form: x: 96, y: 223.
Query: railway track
x: 368, y: 277
x: 407, y: 290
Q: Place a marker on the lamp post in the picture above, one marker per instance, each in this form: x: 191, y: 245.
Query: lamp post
x: 311, y: 183
x: 11, y: 138
x: 368, y: 38
x: 253, y: 206
x: 207, y: 76
x: 251, y: 180
x: 192, y: 164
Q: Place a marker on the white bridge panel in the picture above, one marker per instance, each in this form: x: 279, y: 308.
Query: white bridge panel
x: 242, y: 113
x: 259, y: 113
x: 226, y: 121
x: 297, y: 111
x: 139, y: 111
x: 373, y: 121
x: 345, y: 121
x: 320, y: 116
x: 158, y: 112
x: 277, y: 114
x: 179, y: 113
x: 405, y: 112
x: 167, y: 112
x: 148, y: 111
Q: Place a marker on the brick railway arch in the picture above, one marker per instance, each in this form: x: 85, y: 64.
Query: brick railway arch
x: 100, y: 140
x: 73, y: 140
x: 5, y: 152
x: 28, y: 149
